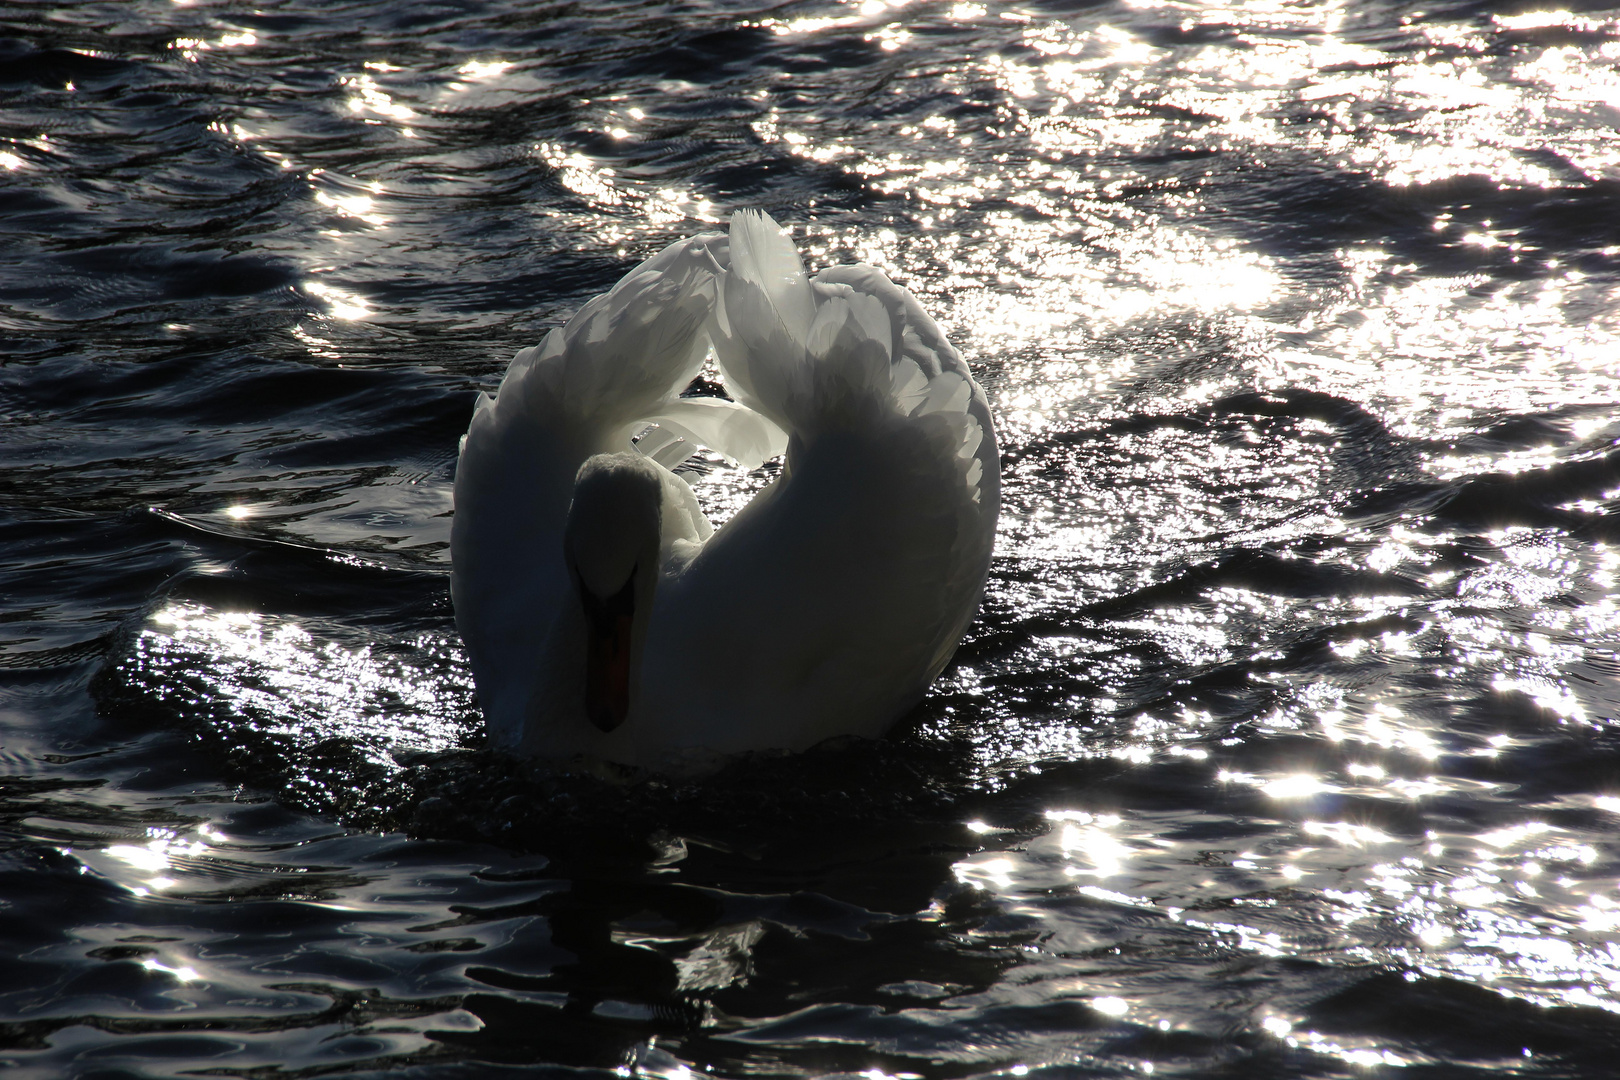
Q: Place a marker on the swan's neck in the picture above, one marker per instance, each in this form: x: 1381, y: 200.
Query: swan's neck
x: 611, y: 543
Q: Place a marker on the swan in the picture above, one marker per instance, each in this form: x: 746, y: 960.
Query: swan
x: 602, y: 613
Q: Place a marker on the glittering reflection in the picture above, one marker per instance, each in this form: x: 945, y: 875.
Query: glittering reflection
x: 267, y: 684
x: 484, y: 69
x: 1044, y: 214
x: 603, y: 185
x: 1407, y: 342
x: 192, y: 48
x: 1176, y: 895
x: 1088, y: 841
x: 581, y: 175
x: 378, y: 912
x: 878, y: 14
x: 307, y: 687
x: 184, y: 973
x: 722, y: 488
x: 341, y: 304
x: 401, y: 517
x: 156, y: 856
x: 1033, y: 245
x: 369, y: 98
x: 1518, y: 908
x: 167, y: 860
x: 1527, y: 908
x: 1381, y: 724
x: 361, y: 206
x: 1115, y: 1007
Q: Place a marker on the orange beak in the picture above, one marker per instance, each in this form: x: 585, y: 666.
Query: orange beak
x: 607, y: 654
x: 607, y: 673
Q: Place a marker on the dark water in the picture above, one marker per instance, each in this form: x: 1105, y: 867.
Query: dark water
x: 1285, y: 744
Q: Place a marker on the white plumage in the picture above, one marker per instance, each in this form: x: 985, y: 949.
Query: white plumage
x: 824, y: 607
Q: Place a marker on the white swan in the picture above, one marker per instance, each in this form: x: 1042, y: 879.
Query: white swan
x: 603, y: 614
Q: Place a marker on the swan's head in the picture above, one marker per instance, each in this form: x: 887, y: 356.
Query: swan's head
x: 611, y: 542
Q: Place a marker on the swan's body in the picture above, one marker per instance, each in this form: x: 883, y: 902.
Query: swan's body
x: 824, y: 607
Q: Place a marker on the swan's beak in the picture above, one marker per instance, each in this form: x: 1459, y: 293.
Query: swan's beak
x: 607, y: 655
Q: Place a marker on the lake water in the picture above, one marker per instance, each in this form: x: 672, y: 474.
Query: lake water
x: 1285, y: 744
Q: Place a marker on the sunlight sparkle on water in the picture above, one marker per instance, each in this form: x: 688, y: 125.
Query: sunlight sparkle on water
x: 279, y: 678
x: 159, y: 860
x: 341, y: 304
x: 1347, y: 833
x: 1086, y: 837
x: 1111, y: 1006
x: 370, y: 98
x: 1077, y: 258
x: 484, y: 69
x: 183, y: 973
x: 359, y: 207
x: 1299, y: 338
x: 1298, y: 786
x: 190, y: 47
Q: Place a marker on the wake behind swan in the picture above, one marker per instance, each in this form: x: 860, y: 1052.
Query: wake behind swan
x: 605, y: 616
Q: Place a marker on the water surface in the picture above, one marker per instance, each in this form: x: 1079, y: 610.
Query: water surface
x: 1285, y: 744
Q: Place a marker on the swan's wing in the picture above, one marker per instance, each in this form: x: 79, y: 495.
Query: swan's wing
x: 946, y: 411
x: 763, y: 318
x: 630, y: 349
x: 733, y: 430
x: 928, y: 377
x: 817, y: 354
x: 842, y: 590
x: 579, y: 392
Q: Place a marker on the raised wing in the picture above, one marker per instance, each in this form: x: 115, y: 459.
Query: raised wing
x: 586, y: 389
x: 819, y: 354
x: 841, y: 590
x: 736, y: 431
